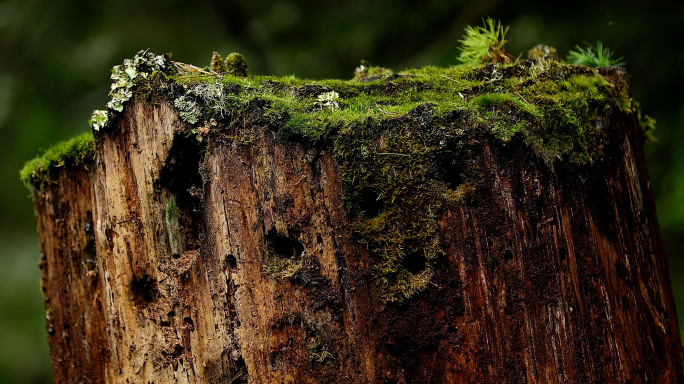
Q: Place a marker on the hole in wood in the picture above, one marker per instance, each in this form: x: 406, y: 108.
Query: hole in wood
x: 283, y: 246
x: 414, y: 262
x: 449, y: 168
x: 182, y: 178
x: 144, y: 288
x: 231, y: 261
x: 370, y: 203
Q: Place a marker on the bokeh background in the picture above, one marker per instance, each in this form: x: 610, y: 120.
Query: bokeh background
x: 55, y: 58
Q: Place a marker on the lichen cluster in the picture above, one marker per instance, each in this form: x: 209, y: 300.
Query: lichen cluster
x: 125, y: 77
x: 405, y: 143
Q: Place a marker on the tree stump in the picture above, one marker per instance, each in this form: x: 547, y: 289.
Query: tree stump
x: 491, y: 231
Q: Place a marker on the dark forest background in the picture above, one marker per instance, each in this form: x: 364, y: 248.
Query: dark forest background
x: 55, y: 58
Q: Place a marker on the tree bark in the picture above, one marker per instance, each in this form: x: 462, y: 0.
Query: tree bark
x: 154, y: 260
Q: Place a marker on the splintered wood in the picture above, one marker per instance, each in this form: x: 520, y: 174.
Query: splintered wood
x: 167, y: 261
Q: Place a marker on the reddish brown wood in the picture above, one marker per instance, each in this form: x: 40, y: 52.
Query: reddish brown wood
x: 549, y: 276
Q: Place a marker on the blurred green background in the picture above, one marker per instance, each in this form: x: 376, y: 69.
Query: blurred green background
x: 55, y: 58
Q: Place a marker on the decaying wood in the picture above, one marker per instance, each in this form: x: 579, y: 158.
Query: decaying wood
x: 549, y: 276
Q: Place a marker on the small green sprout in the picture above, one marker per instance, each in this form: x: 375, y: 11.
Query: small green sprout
x: 236, y: 65
x: 217, y: 64
x: 484, y: 44
x: 599, y: 57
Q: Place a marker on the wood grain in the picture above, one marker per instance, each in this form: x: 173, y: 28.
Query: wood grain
x: 549, y: 276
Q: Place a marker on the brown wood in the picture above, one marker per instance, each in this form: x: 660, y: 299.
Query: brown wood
x: 549, y: 276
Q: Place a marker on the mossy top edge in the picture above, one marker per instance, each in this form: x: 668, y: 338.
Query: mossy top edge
x: 74, y: 152
x: 553, y: 106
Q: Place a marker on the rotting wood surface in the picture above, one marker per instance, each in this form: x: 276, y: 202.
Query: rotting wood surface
x: 550, y: 277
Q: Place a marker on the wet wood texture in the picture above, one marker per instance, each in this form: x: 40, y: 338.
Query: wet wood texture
x: 549, y: 277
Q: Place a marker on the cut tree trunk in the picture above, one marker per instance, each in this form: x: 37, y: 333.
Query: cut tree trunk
x: 156, y: 260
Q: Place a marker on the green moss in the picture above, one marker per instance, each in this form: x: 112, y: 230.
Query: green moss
x: 366, y: 72
x: 646, y: 123
x: 74, y: 152
x: 406, y: 143
x: 598, y: 56
x: 217, y: 64
x: 399, y: 174
x: 284, y: 255
x: 279, y: 267
x: 317, y: 352
x: 236, y: 65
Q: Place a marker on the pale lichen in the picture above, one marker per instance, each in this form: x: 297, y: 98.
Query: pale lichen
x: 543, y: 52
x: 187, y: 109
x: 98, y: 119
x: 329, y: 100
x: 125, y: 77
x: 203, y: 100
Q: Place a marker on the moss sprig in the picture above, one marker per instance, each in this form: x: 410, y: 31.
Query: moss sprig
x: 594, y: 57
x: 485, y: 44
